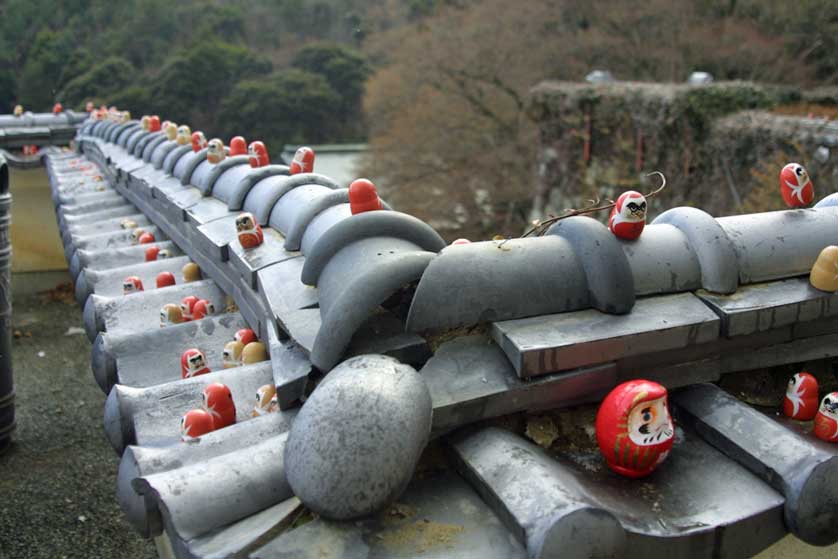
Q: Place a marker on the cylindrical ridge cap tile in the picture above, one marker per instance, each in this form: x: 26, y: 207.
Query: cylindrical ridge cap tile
x: 782, y: 244
x: 579, y: 534
x: 365, y: 289
x: 172, y: 158
x: 135, y: 139
x: 662, y: 261
x: 294, y: 235
x: 711, y: 244
x: 802, y: 468
x: 103, y: 363
x: 321, y: 223
x: 218, y: 169
x: 828, y: 201
x: 266, y: 204
x: 123, y: 130
x: 223, y: 489
x: 151, y: 146
x: 230, y: 183
x: 250, y: 181
x: 355, y: 443
x: 286, y: 209
x: 145, y: 519
x: 196, y: 160
x: 816, y: 505
x: 75, y: 266
x: 547, y: 508
x: 139, y: 148
x: 82, y: 290
x: 146, y: 460
x: 158, y: 156
x: 380, y: 223
x: 117, y: 430
x: 496, y: 280
x: 93, y: 323
x: 607, y: 270
x: 128, y: 135
x: 149, y: 416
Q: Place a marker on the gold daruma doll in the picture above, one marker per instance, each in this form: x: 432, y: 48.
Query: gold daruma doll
x: 824, y: 274
x: 191, y: 272
x: 254, y: 352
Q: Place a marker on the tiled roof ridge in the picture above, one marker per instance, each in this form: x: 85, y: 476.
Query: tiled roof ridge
x: 356, y: 262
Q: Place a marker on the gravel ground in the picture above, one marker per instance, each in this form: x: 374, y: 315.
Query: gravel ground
x: 58, y: 480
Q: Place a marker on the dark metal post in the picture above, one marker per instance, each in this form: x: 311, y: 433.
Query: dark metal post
x: 7, y: 390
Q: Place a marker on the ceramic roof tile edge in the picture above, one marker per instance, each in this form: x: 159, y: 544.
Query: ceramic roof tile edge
x: 420, y: 284
x: 137, y: 415
x: 727, y: 249
x: 801, y: 468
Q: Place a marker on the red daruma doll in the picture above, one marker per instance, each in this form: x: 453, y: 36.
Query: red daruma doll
x: 195, y: 423
x: 634, y: 429
x: 795, y: 186
x: 826, y: 422
x: 303, y: 161
x: 193, y: 362
x: 801, y: 401
x: 628, y: 216
x: 218, y: 402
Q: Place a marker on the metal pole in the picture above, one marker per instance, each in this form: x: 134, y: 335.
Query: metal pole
x: 7, y: 390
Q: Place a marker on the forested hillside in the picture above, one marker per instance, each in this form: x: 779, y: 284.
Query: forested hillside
x: 284, y: 70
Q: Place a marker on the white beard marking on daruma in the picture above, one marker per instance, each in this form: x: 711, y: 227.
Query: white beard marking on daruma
x: 797, y: 191
x: 649, y: 423
x: 795, y: 392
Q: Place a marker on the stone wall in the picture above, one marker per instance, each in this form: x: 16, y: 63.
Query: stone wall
x: 716, y: 143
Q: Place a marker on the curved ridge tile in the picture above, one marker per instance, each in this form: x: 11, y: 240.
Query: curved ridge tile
x: 173, y: 157
x: 363, y: 291
x: 139, y: 461
x: 144, y: 141
x: 714, y: 248
x: 306, y: 214
x: 704, y: 503
x: 123, y: 139
x: 289, y: 183
x: 365, y: 225
x: 136, y: 139
x: 145, y: 416
x: 321, y: 223
x: 261, y: 198
x: 149, y: 148
x: 497, y: 280
x: 662, y: 261
x: 251, y: 180
x: 217, y: 485
x: 114, y: 135
x: 609, y: 276
x: 228, y: 184
x: 218, y: 169
x: 158, y: 156
x: 190, y: 166
x: 778, y: 245
x: 828, y: 201
x: 801, y: 467
x: 548, y: 511
x: 286, y: 209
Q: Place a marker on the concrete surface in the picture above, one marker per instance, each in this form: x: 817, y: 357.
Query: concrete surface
x: 58, y: 480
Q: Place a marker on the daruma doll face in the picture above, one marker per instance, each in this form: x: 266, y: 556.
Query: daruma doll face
x: 634, y: 429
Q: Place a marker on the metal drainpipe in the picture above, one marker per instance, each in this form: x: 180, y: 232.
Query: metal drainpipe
x: 7, y: 390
